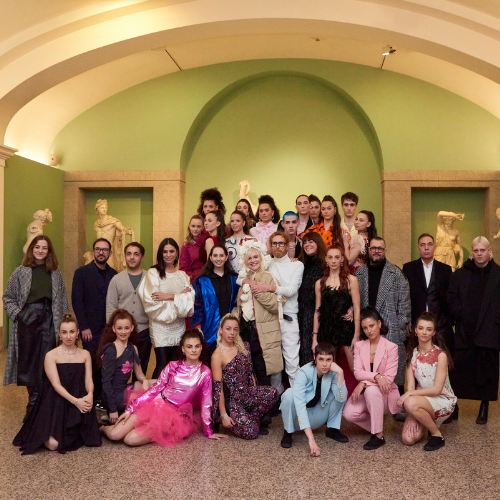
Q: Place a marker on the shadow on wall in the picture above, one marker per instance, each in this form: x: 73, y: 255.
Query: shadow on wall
x: 288, y: 133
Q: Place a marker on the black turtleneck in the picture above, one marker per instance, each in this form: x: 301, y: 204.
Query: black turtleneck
x: 475, y: 295
x: 374, y: 274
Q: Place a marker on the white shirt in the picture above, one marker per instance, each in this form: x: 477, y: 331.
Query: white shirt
x: 289, y: 274
x: 427, y: 274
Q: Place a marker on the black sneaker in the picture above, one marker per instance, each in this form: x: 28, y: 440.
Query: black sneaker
x: 286, y: 440
x: 263, y: 431
x: 434, y: 443
x: 336, y: 435
x: 374, y: 442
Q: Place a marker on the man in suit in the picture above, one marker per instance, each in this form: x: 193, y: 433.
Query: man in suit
x: 383, y: 285
x: 429, y: 281
x: 317, y: 398
x: 88, y: 298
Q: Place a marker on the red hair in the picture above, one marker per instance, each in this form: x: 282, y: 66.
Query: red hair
x: 344, y: 268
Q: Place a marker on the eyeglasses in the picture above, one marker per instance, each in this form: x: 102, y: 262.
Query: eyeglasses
x: 101, y: 250
x: 279, y: 244
x: 377, y: 249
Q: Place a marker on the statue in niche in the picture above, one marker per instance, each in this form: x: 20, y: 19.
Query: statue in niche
x: 244, y: 191
x: 448, y: 243
x: 35, y: 228
x: 497, y: 213
x: 114, y: 231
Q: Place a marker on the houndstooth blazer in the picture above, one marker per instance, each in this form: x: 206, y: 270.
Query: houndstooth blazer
x: 393, y: 304
x: 14, y: 299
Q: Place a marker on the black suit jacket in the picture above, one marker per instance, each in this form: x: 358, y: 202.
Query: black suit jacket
x: 88, y: 297
x: 414, y: 272
x: 487, y: 332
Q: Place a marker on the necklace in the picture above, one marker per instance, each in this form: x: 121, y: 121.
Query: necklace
x: 67, y: 352
x: 426, y: 352
x: 228, y: 348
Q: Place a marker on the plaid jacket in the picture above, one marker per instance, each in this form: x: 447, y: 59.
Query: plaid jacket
x: 15, y: 298
x: 393, y: 304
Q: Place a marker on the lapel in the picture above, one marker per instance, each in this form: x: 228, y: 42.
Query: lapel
x: 99, y: 281
x: 326, y: 384
x: 491, y: 284
x: 420, y: 273
x: 366, y: 355
x: 386, y: 284
x: 379, y: 354
x: 25, y: 280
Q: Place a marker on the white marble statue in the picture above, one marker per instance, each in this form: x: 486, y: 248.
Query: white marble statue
x: 35, y: 228
x: 448, y: 243
x: 244, y: 191
x: 497, y: 213
x: 114, y: 231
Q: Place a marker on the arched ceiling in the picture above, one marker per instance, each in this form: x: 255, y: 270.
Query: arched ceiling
x: 57, y: 58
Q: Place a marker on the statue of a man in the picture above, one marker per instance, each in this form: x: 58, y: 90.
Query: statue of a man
x: 448, y: 243
x: 115, y: 232
x: 35, y: 228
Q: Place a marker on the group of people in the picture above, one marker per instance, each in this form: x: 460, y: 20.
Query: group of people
x: 300, y: 314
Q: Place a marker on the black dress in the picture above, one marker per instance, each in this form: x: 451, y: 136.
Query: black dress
x: 313, y: 271
x: 333, y: 327
x: 116, y: 374
x: 55, y: 416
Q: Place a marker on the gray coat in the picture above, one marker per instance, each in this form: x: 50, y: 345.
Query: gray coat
x: 15, y: 298
x: 393, y: 304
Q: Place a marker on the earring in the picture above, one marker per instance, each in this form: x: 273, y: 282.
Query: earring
x: 341, y: 264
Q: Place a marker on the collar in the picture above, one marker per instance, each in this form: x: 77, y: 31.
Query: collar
x: 282, y: 260
x: 431, y: 263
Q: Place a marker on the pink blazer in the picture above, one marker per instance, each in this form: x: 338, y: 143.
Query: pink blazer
x: 385, y: 363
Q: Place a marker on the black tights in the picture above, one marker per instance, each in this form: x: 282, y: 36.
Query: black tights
x: 163, y: 357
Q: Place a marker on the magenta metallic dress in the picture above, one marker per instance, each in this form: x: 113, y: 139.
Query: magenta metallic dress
x: 165, y: 411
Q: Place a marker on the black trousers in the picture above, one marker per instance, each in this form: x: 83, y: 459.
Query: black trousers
x: 248, y: 332
x: 144, y: 349
x: 163, y: 357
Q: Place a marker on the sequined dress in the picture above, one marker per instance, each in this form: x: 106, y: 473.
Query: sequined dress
x: 424, y: 368
x: 247, y: 403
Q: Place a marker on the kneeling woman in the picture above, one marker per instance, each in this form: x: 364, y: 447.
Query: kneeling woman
x: 236, y: 395
x: 164, y: 414
x: 63, y: 417
x: 317, y: 398
x: 375, y: 366
x: 433, y: 401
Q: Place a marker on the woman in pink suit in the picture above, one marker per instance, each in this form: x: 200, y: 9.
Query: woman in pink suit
x: 375, y: 366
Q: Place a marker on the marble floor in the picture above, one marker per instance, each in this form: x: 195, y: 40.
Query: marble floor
x: 468, y: 467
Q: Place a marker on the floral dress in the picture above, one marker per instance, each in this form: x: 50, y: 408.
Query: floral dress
x: 424, y: 368
x: 116, y: 373
x: 245, y: 403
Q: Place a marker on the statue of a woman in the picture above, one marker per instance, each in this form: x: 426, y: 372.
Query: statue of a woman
x: 115, y: 232
x: 448, y: 243
x: 35, y: 228
x: 244, y: 192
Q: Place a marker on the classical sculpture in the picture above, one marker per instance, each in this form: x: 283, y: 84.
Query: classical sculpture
x: 244, y: 191
x: 497, y: 213
x: 114, y: 231
x: 35, y: 228
x: 448, y: 243
x: 88, y: 257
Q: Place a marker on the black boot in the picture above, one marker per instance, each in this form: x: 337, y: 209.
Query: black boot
x: 453, y: 416
x: 482, y: 418
x: 286, y: 440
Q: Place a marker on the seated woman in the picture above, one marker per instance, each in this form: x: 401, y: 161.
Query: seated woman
x: 164, y: 414
x: 238, y: 400
x: 215, y: 291
x: 189, y: 260
x: 63, y: 417
x: 433, y: 401
x: 260, y: 313
x: 375, y: 366
x: 317, y: 398
x: 118, y: 355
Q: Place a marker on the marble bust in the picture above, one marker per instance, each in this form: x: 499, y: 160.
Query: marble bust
x: 35, y: 228
x: 448, y: 243
x: 244, y: 191
x: 114, y: 231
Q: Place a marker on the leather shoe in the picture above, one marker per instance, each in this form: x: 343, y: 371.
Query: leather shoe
x: 374, y: 442
x: 434, y: 443
x: 286, y: 440
x: 482, y: 418
x: 336, y: 435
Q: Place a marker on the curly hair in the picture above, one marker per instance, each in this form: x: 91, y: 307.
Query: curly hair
x: 238, y: 342
x: 212, y: 194
x: 108, y: 335
x: 267, y: 199
x: 344, y: 269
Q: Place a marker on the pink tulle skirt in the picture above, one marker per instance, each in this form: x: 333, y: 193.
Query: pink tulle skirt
x: 164, y: 423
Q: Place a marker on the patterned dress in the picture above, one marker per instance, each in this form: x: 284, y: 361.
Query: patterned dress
x: 424, y: 368
x: 247, y: 403
x: 360, y: 240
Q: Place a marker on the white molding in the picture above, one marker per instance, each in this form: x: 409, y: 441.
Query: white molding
x: 5, y: 153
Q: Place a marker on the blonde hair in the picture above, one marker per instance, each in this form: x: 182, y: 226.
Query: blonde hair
x: 238, y: 342
x: 481, y: 240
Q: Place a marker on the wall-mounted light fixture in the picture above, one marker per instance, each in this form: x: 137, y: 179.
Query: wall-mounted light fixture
x: 52, y: 160
x: 387, y: 51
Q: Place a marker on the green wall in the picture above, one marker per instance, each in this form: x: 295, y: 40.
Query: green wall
x: 426, y: 203
x: 30, y: 186
x: 133, y: 207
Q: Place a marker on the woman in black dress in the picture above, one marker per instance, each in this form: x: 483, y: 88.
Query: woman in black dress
x: 336, y: 292
x: 312, y: 255
x: 63, y: 417
x: 119, y: 356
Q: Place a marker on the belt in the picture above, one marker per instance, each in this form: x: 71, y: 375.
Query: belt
x: 287, y: 318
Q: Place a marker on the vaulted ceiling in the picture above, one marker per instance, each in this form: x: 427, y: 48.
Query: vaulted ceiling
x: 58, y: 58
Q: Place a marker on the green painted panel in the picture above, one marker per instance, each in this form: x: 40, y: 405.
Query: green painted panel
x: 133, y: 207
x: 426, y: 203
x: 30, y: 186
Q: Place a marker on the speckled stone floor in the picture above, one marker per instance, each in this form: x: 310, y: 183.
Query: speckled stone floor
x: 467, y: 468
